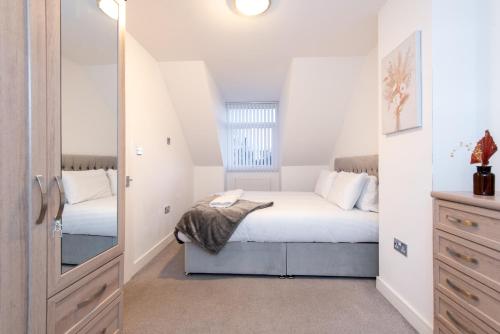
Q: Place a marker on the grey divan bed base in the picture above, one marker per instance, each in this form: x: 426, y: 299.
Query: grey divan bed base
x: 290, y: 258
x: 78, y: 248
x: 285, y: 259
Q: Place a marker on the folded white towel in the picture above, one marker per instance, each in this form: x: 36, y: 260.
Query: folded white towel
x: 227, y: 199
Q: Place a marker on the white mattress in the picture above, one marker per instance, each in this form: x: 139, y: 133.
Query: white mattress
x: 303, y: 217
x: 95, y: 217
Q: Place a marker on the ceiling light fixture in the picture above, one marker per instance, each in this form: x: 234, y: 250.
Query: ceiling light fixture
x: 109, y: 7
x: 252, y: 7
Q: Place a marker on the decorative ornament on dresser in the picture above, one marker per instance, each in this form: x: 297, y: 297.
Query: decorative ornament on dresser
x: 402, y: 87
x: 484, y: 179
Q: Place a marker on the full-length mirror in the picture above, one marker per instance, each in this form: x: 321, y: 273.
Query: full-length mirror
x: 87, y: 219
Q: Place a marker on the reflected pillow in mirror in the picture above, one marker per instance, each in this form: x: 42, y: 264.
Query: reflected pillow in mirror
x: 324, y: 183
x: 346, y: 189
x: 81, y: 186
x: 113, y: 180
x: 368, y: 201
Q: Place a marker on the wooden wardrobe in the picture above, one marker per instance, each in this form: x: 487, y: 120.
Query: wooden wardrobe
x: 42, y: 289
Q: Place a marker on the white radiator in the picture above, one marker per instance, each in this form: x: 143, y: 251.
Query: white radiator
x: 253, y: 181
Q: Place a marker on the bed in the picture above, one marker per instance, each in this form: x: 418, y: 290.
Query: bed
x: 302, y: 234
x: 90, y: 227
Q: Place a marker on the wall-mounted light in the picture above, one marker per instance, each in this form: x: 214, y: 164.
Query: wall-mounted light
x: 109, y: 7
x: 252, y: 7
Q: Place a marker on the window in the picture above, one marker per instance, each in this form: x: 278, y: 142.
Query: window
x: 251, y: 136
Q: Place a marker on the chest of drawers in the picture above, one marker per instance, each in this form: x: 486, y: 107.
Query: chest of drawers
x: 466, y: 263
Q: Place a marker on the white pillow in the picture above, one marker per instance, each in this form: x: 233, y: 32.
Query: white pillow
x: 324, y: 183
x: 113, y: 180
x: 346, y: 189
x: 368, y: 200
x: 81, y: 186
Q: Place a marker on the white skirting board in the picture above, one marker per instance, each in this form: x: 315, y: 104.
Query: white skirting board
x: 406, y: 310
x: 145, y: 258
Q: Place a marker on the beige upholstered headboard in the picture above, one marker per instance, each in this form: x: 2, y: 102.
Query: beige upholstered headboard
x: 87, y: 162
x: 362, y: 164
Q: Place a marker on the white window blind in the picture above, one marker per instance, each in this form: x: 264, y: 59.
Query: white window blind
x: 252, y: 136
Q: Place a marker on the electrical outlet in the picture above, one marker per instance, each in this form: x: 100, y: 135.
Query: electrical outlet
x: 167, y: 209
x: 401, y: 247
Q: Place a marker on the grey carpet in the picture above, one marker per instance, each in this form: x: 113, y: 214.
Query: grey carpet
x: 160, y: 299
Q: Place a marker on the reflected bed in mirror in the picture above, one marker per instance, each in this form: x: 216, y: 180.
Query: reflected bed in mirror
x: 90, y: 213
x: 89, y: 136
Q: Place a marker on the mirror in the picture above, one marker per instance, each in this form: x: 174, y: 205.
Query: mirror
x: 89, y: 112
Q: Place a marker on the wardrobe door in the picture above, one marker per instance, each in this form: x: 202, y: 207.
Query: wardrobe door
x: 23, y: 219
x: 85, y: 45
x: 14, y: 192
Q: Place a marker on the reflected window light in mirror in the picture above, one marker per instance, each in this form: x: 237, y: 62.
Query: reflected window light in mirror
x: 109, y: 7
x: 252, y: 7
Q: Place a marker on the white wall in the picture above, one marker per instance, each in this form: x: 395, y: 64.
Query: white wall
x: 300, y: 178
x: 406, y: 179
x: 89, y: 117
x: 459, y: 90
x: 315, y: 98
x: 200, y: 108
x: 328, y: 108
x: 493, y: 121
x: 201, y: 111
x: 489, y: 50
x: 359, y: 132
x: 164, y: 174
x: 466, y: 63
x: 207, y: 181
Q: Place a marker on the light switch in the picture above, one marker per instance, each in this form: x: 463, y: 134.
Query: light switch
x: 139, y: 150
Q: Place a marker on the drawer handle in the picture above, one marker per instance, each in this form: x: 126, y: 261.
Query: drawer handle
x: 458, y: 324
x: 461, y: 256
x: 466, y: 222
x: 461, y: 291
x: 93, y: 297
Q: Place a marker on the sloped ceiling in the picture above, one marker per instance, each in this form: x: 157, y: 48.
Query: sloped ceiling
x: 317, y: 95
x: 199, y: 107
x: 249, y: 57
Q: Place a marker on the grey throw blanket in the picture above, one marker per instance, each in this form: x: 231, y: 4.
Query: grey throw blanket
x: 211, y: 228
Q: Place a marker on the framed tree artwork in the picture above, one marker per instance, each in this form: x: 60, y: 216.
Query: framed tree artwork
x: 402, y: 86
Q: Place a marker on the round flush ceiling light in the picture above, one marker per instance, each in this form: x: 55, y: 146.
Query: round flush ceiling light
x: 252, y: 7
x: 109, y: 7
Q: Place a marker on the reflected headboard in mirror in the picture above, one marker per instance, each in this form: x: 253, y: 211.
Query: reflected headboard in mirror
x: 362, y: 164
x: 88, y: 162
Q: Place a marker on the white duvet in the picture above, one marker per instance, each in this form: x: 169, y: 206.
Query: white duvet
x: 303, y: 217
x: 95, y: 217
